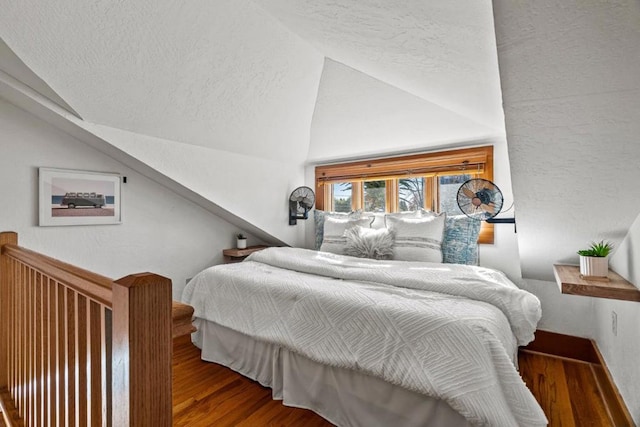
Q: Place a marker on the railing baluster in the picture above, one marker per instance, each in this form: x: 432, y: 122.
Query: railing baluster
x: 57, y: 358
x: 81, y: 357
x: 51, y: 370
x: 37, y: 388
x: 94, y: 336
x: 63, y: 379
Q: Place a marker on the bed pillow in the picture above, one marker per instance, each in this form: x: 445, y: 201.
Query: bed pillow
x: 419, y: 213
x: 379, y: 221
x: 417, y: 239
x: 460, y: 243
x: 334, y: 239
x: 319, y: 218
x: 369, y: 243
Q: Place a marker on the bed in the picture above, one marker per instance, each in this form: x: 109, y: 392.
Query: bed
x: 368, y: 342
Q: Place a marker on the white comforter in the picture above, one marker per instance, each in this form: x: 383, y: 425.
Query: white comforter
x: 448, y: 331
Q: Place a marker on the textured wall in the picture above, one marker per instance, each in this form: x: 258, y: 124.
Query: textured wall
x: 570, y: 74
x: 221, y: 74
x: 248, y: 187
x: 357, y: 115
x: 161, y: 231
x: 440, y: 50
x: 217, y: 95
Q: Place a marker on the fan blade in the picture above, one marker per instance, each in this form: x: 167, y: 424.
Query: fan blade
x: 488, y: 208
x: 470, y: 194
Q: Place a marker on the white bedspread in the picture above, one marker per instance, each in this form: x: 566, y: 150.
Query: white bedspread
x: 448, y: 331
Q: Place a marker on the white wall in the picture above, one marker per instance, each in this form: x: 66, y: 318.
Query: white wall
x: 570, y: 77
x: 570, y: 74
x: 214, y: 95
x: 357, y: 116
x: 161, y: 232
x: 222, y: 74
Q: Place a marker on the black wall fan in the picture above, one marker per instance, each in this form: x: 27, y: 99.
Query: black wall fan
x: 481, y: 199
x: 301, y: 201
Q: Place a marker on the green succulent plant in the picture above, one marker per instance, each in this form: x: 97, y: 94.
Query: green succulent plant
x: 599, y: 249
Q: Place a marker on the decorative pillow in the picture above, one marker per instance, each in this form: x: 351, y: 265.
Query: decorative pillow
x: 419, y: 213
x: 334, y: 228
x: 460, y: 243
x: 369, y: 243
x: 417, y: 239
x: 379, y: 221
x: 319, y: 217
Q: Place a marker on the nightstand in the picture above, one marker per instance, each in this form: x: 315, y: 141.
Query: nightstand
x: 237, y: 255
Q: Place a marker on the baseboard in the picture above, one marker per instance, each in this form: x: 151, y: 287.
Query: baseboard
x: 585, y: 350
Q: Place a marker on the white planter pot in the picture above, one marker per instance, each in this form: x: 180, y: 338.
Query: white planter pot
x: 241, y: 243
x: 594, y: 266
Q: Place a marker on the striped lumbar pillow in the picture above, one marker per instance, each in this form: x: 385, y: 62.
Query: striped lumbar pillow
x: 334, y: 239
x: 417, y: 239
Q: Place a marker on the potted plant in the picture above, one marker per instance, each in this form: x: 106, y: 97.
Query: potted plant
x: 241, y: 241
x: 594, y: 261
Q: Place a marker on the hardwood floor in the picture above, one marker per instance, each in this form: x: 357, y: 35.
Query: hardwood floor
x: 226, y: 398
x: 568, y: 391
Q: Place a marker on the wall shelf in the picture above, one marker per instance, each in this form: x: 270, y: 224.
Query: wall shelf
x: 571, y: 282
x: 237, y: 255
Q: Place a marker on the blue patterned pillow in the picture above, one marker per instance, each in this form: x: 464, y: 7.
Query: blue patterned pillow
x: 460, y: 244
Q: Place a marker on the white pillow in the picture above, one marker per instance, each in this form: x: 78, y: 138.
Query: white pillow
x: 379, y: 218
x: 419, y: 213
x: 369, y: 243
x: 334, y: 240
x: 417, y: 239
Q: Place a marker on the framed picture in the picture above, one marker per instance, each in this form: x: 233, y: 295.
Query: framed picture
x: 70, y: 197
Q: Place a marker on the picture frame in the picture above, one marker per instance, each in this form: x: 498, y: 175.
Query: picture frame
x: 74, y: 197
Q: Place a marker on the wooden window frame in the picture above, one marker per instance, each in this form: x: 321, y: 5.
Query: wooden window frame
x: 476, y: 160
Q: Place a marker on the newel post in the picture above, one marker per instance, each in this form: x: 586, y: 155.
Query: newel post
x: 142, y: 346
x: 7, y: 237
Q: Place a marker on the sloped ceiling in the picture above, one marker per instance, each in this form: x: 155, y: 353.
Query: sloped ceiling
x: 242, y: 77
x: 220, y: 74
x: 12, y: 65
x: 442, y: 51
x: 357, y: 115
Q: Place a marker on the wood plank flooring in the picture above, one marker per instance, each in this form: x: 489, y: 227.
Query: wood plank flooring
x: 206, y: 394
x: 567, y: 390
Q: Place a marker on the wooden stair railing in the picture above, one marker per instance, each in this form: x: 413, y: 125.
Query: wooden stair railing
x: 77, y: 348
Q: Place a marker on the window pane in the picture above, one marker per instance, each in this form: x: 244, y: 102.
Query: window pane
x: 448, y: 191
x: 375, y: 196
x: 410, y: 194
x: 342, y: 193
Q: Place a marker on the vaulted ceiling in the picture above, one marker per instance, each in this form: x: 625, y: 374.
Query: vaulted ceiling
x: 237, y: 82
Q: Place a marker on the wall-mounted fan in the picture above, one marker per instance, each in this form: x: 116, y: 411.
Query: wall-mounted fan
x: 480, y: 199
x: 301, y: 201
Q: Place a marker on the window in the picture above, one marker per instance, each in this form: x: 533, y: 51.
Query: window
x: 411, y: 195
x: 341, y: 196
x: 375, y: 196
x: 406, y: 183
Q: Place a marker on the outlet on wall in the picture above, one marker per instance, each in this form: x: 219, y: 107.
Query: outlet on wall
x: 614, y: 323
